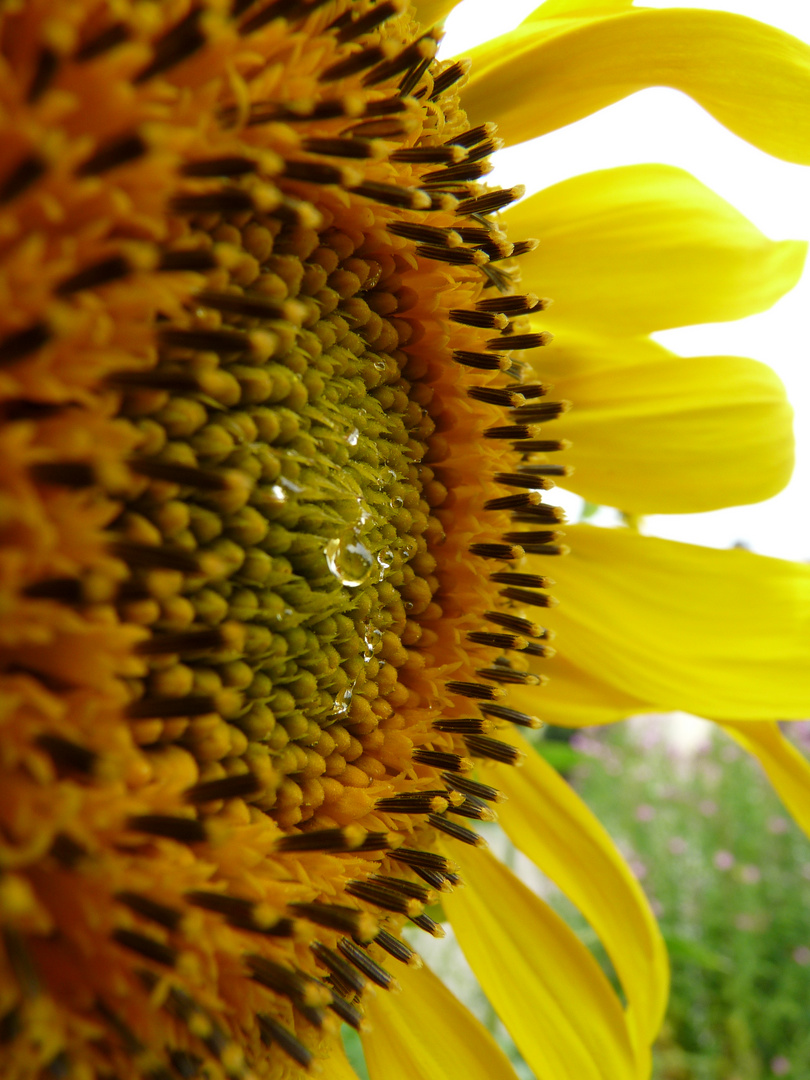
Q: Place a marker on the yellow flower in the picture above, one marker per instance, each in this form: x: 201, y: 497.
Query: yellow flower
x: 269, y: 419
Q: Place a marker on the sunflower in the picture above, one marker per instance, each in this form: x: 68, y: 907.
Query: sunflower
x: 275, y: 558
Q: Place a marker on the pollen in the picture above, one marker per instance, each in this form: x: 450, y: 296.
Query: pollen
x: 265, y: 433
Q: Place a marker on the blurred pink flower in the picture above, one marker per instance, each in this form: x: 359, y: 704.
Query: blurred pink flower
x: 780, y: 1065
x: 707, y: 807
x: 638, y: 869
x: 645, y: 812
x: 777, y: 825
x: 750, y: 874
x: 677, y: 845
x: 800, y: 733
x: 801, y: 955
x: 650, y: 735
x: 587, y: 744
x: 723, y: 860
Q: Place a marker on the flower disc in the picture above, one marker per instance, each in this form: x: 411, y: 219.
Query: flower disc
x: 271, y: 467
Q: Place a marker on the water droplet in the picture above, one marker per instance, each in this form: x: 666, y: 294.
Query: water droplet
x: 342, y: 701
x: 351, y: 555
x: 398, y: 502
x: 278, y: 493
x: 352, y: 437
x: 379, y: 365
x: 384, y: 558
x: 349, y: 559
x: 372, y: 642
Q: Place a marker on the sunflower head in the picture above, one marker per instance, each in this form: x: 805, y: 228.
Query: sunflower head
x: 271, y: 466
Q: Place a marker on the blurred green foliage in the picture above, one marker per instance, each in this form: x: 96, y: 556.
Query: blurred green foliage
x: 728, y: 875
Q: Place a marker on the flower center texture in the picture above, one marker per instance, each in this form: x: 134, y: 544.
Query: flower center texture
x: 274, y: 462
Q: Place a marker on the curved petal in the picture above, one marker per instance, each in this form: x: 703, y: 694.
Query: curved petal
x: 544, y: 984
x: 724, y: 634
x: 786, y: 768
x: 548, y: 822
x: 426, y: 1032
x: 647, y: 247
x: 685, y: 435
x: 580, y: 354
x: 575, y: 697
x: 749, y: 76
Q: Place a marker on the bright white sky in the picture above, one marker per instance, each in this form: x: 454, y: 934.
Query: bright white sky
x: 661, y: 125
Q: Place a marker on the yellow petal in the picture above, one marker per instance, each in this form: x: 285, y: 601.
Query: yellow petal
x: 544, y: 984
x: 566, y: 8
x: 685, y: 435
x: 551, y: 71
x: 425, y: 1033
x: 547, y: 820
x: 337, y: 1066
x: 575, y: 697
x: 430, y: 12
x: 786, y: 768
x: 647, y: 247
x: 724, y: 634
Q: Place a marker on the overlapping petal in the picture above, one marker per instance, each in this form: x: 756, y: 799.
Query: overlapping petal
x: 627, y: 252
x: 548, y: 822
x: 632, y: 250
x: 786, y: 768
x: 547, y: 988
x: 426, y: 1032
x: 685, y: 434
x: 579, y: 697
x: 640, y: 248
x: 577, y: 57
x: 724, y: 634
